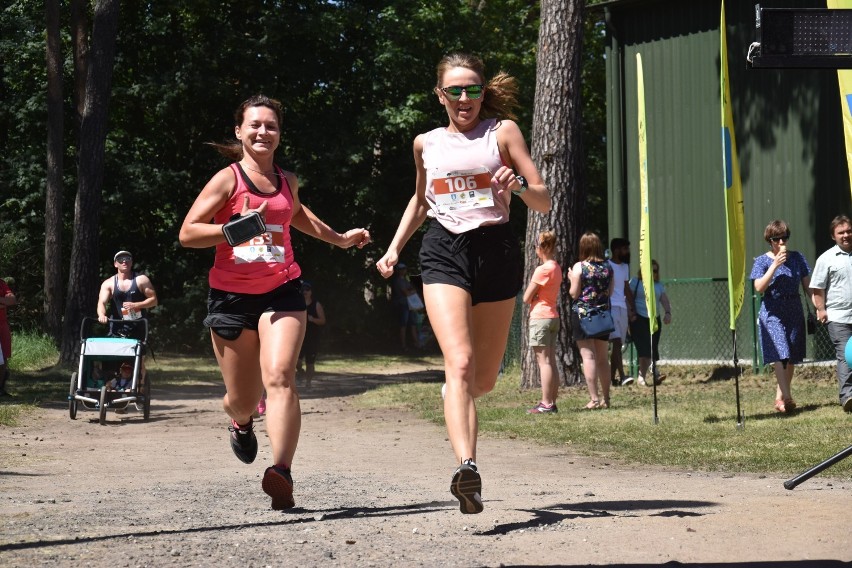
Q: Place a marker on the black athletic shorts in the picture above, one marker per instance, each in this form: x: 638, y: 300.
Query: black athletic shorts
x: 486, y: 261
x: 228, y: 313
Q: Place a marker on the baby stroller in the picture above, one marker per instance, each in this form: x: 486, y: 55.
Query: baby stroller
x: 104, y: 379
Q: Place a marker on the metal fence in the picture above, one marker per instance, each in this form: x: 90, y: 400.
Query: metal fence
x: 700, y: 331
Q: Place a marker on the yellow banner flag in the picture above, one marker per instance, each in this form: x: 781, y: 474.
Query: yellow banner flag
x: 645, y: 265
x: 734, y: 214
x: 844, y: 80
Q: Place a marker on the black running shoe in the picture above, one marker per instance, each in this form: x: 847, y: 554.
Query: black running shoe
x: 278, y: 484
x: 467, y: 488
x: 243, y: 441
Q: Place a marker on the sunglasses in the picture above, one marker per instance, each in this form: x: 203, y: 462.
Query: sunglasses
x: 454, y: 92
x: 781, y: 238
x: 123, y: 259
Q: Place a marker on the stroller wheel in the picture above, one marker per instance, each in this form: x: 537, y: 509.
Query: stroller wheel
x: 102, y: 419
x: 146, y: 404
x: 72, y: 402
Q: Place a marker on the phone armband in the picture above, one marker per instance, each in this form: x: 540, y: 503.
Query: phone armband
x: 243, y: 227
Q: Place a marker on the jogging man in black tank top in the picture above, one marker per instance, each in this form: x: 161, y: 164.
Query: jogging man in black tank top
x: 126, y: 296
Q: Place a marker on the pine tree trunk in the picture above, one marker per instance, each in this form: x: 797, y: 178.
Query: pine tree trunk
x: 557, y: 152
x: 52, y: 303
x: 83, y: 281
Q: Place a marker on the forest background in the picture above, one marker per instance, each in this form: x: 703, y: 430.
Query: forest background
x: 355, y: 79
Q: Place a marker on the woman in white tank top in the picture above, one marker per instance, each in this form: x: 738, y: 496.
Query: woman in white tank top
x: 466, y: 175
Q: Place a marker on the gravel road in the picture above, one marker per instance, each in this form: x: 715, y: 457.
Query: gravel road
x: 372, y: 489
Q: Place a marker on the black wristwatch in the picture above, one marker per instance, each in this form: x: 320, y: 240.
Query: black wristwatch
x: 524, y: 185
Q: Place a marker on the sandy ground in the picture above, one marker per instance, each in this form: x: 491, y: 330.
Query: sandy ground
x: 372, y: 489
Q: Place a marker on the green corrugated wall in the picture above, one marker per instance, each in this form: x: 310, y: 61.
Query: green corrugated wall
x: 787, y: 123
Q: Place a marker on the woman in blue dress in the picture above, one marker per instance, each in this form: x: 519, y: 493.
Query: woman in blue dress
x: 777, y: 275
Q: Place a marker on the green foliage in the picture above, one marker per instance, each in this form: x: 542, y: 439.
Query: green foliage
x: 356, y: 79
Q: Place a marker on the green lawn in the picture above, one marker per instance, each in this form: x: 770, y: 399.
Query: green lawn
x: 696, y: 429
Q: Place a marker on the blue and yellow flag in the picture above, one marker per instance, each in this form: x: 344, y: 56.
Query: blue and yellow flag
x: 844, y: 80
x: 734, y: 214
x: 645, y: 264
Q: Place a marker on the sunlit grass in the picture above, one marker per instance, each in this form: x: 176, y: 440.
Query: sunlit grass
x: 32, y: 351
x: 696, y: 425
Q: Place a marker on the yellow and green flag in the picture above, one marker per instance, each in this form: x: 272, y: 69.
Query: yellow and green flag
x: 844, y: 80
x: 734, y: 214
x: 645, y: 264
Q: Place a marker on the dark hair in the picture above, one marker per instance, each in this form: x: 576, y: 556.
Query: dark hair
x: 837, y: 221
x: 777, y: 228
x: 501, y: 91
x: 618, y: 242
x: 233, y: 150
x: 591, y: 247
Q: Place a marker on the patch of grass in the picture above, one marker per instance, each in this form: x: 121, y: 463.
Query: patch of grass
x: 32, y: 350
x: 696, y: 429
x: 375, y: 363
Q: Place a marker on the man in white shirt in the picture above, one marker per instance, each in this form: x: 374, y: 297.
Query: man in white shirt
x: 831, y: 284
x: 620, y: 249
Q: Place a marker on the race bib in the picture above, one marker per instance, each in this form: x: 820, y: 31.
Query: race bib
x: 130, y: 314
x: 267, y: 247
x: 463, y: 189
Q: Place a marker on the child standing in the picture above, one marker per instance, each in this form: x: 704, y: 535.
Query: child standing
x: 542, y: 295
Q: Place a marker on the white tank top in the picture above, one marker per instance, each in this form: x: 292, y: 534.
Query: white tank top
x: 459, y: 167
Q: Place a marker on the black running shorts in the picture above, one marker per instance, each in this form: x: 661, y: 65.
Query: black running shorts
x: 485, y: 261
x: 228, y: 313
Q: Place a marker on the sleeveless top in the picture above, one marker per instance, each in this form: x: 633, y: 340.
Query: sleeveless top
x: 265, y: 262
x: 594, y: 287
x: 119, y: 296
x: 134, y: 328
x: 459, y: 167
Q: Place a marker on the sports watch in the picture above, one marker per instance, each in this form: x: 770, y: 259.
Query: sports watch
x: 524, y: 185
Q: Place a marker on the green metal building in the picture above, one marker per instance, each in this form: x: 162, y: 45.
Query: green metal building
x: 790, y: 146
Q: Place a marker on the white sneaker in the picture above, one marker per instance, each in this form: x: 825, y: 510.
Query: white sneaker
x: 641, y: 381
x: 444, y: 391
x: 627, y: 381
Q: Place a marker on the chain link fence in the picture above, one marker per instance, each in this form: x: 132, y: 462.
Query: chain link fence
x: 700, y: 333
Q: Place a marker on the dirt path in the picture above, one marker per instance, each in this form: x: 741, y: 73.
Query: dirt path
x: 372, y: 489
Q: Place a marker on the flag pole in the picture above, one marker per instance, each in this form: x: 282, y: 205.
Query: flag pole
x: 734, y: 211
x: 737, y: 373
x: 654, y: 380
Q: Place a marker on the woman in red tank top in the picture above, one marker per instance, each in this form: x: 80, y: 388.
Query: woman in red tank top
x: 256, y: 312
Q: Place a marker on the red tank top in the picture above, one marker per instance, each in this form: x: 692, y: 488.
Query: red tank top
x: 264, y: 262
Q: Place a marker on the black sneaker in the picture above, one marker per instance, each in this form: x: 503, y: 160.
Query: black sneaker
x: 466, y: 486
x: 278, y: 484
x: 542, y: 408
x: 243, y: 441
